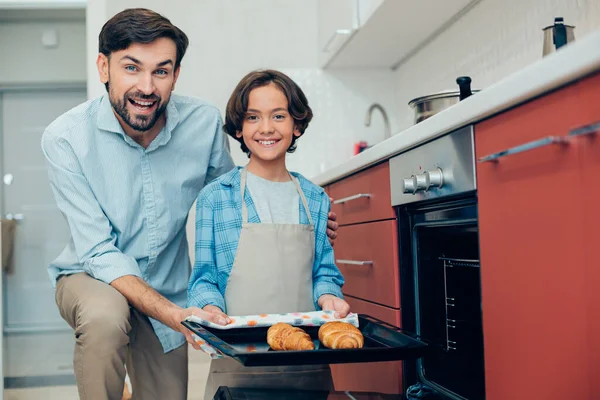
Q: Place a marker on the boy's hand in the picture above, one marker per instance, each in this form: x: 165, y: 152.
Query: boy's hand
x: 333, y: 303
x: 332, y: 226
x: 217, y: 312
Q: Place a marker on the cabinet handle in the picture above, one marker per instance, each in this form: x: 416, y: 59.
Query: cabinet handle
x: 352, y: 262
x: 536, y: 144
x: 586, y: 130
x: 338, y: 32
x: 350, y: 198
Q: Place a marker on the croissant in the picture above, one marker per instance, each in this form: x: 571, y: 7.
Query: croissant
x: 341, y: 335
x: 286, y: 337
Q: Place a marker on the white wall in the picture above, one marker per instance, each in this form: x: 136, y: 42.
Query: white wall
x: 23, y: 58
x: 491, y: 41
x: 230, y: 38
x: 42, y: 4
x: 2, y: 363
x: 95, y: 18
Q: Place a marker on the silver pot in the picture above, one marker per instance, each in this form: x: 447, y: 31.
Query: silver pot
x: 429, y: 105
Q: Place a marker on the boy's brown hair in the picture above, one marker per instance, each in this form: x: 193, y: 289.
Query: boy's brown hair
x: 237, y: 106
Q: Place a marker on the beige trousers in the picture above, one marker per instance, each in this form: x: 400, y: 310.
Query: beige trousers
x: 109, y: 335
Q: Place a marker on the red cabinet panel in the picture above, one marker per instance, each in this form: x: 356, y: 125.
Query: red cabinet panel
x: 376, y: 245
x: 385, y: 314
x: 374, y: 182
x: 533, y: 254
x: 384, y: 377
x: 589, y: 109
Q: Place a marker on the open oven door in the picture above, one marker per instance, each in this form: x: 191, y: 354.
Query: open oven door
x: 441, y: 298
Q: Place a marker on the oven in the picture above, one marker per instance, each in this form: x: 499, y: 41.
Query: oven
x: 434, y: 194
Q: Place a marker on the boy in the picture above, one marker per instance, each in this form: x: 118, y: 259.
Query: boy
x: 267, y: 253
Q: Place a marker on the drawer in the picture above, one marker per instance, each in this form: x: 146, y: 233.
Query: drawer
x: 384, y: 377
x: 383, y: 313
x: 367, y: 256
x: 363, y: 197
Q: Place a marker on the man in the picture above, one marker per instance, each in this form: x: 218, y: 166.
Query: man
x: 125, y: 169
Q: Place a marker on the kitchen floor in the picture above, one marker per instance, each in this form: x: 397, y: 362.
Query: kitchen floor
x: 40, y: 366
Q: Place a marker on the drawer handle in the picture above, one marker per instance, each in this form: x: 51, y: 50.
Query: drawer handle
x: 352, y: 262
x: 536, y: 144
x: 350, y: 198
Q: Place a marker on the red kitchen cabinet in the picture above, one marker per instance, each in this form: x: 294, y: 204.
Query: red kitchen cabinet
x: 589, y: 145
x: 538, y: 227
x: 364, y: 196
x: 367, y: 256
x: 366, y: 251
x: 383, y: 377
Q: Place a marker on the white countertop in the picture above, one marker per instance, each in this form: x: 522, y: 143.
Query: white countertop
x: 574, y: 61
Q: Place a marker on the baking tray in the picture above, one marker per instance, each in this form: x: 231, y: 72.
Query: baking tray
x: 383, y: 342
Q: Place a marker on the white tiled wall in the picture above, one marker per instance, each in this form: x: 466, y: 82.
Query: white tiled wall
x: 494, y: 39
x: 230, y: 38
x: 339, y: 100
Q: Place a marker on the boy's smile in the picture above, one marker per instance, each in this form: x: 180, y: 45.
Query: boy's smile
x: 268, y: 127
x: 268, y: 143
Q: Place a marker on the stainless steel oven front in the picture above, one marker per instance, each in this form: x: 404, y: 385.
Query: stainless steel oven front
x: 434, y: 192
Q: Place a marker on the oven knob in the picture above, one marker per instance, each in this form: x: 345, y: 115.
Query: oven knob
x: 435, y: 178
x: 422, y: 181
x: 410, y: 185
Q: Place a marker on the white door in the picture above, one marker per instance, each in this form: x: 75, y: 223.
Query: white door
x: 42, y: 231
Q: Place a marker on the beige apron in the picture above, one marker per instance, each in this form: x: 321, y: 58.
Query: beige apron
x: 271, y: 273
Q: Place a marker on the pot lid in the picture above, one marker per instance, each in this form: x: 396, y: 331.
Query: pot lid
x: 558, y: 21
x: 440, y: 95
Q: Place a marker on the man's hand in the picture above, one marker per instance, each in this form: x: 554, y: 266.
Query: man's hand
x: 332, y: 226
x: 183, y: 313
x: 333, y: 303
x: 151, y: 303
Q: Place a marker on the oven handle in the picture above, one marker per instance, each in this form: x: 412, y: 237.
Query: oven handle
x: 350, y: 198
x: 352, y: 262
x: 536, y: 144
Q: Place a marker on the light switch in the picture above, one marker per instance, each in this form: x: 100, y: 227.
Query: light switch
x: 50, y: 38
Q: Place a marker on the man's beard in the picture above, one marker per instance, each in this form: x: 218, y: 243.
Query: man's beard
x: 140, y: 123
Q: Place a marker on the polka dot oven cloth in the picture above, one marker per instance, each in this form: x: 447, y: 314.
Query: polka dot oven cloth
x: 315, y: 318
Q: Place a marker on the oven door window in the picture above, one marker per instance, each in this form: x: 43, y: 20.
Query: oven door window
x: 448, y: 307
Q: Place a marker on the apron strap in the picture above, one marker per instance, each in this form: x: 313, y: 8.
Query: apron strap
x: 303, y: 198
x: 298, y: 188
x: 243, y: 191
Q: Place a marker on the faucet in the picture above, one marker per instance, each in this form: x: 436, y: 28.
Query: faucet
x: 388, y: 132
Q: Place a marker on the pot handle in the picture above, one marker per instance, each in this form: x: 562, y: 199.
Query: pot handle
x: 464, y: 84
x: 559, y: 33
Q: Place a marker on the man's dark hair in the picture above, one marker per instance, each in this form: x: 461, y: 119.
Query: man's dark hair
x: 139, y: 25
x: 237, y: 106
